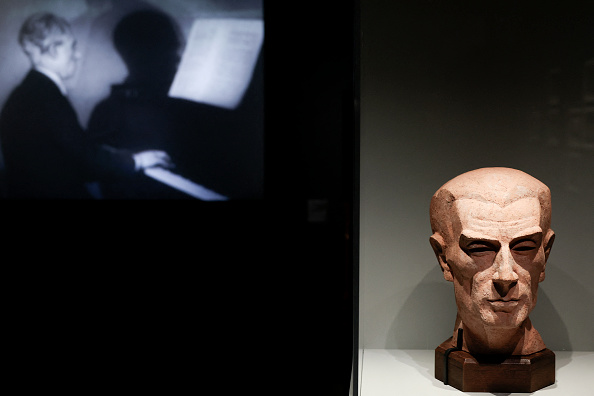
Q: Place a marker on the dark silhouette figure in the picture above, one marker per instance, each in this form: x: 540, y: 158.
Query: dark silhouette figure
x: 218, y: 148
x: 139, y: 113
x: 100, y: 65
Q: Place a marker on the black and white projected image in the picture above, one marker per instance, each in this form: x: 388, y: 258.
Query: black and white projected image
x: 131, y: 99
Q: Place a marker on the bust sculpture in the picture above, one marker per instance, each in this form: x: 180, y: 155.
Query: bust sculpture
x: 492, y: 237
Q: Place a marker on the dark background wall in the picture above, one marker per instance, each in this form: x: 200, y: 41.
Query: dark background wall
x: 311, y: 145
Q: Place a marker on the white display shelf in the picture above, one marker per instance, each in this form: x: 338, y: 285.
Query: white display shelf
x: 410, y: 372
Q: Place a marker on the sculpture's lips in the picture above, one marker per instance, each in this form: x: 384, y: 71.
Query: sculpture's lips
x: 505, y: 300
x: 501, y: 305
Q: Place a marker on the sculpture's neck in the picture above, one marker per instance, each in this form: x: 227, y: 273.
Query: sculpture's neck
x: 523, y: 340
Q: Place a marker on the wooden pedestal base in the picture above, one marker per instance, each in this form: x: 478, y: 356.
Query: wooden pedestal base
x: 469, y: 373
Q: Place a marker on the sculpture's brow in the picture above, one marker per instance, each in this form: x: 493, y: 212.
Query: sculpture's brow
x: 468, y: 235
x: 529, y: 233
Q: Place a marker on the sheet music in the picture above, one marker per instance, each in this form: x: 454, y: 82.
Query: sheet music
x: 182, y: 184
x: 219, y: 60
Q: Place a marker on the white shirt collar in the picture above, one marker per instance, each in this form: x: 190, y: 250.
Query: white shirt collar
x: 54, y: 77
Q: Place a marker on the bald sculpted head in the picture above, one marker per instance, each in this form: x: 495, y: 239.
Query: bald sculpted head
x: 500, y: 186
x: 492, y: 238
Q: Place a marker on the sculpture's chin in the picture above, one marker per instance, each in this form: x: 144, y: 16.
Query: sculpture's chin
x: 504, y: 315
x: 503, y: 320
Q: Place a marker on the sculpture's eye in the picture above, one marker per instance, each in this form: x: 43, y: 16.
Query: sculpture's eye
x: 480, y: 249
x: 525, y: 246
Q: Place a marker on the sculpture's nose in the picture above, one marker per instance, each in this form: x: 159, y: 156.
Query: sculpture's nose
x: 505, y: 277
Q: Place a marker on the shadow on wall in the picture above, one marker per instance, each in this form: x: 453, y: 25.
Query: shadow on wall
x: 569, y: 302
x: 427, y: 317
x: 94, y: 31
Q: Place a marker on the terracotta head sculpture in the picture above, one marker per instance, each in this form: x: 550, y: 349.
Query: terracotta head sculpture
x: 492, y: 238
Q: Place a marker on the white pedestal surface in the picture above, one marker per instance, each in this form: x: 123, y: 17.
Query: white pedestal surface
x: 411, y: 372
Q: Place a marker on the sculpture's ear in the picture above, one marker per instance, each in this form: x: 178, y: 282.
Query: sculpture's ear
x: 548, y: 245
x: 438, y: 245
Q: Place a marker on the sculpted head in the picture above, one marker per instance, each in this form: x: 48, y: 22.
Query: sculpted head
x: 492, y: 238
